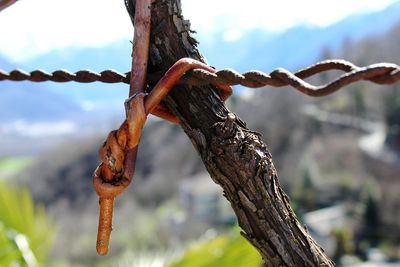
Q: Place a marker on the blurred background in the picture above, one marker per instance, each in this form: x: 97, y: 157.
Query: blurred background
x: 337, y: 157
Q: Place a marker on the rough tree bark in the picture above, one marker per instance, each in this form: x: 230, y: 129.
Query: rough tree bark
x: 236, y: 157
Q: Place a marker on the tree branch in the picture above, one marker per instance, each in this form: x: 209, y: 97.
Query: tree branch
x: 236, y: 157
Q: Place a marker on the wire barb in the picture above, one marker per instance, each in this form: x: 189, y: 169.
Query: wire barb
x: 381, y: 73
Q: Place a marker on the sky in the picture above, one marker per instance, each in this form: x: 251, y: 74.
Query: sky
x: 33, y: 27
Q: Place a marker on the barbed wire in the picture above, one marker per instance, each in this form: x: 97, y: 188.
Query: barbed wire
x: 381, y: 73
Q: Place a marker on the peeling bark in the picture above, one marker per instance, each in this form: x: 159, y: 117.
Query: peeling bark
x: 236, y: 157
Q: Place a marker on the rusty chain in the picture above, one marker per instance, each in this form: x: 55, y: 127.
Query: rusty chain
x: 381, y: 73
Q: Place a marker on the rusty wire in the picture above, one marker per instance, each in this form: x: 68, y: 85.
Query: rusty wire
x: 82, y: 76
x: 119, y: 151
x: 381, y: 73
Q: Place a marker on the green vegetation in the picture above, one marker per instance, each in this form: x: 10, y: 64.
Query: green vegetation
x: 25, y: 231
x: 225, y: 250
x: 13, y: 166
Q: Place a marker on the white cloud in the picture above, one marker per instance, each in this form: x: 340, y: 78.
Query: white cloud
x: 232, y: 35
x: 35, y: 26
x: 273, y: 15
x: 31, y: 27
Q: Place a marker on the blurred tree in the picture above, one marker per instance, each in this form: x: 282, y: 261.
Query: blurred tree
x: 392, y: 111
x: 371, y: 218
x: 343, y: 242
x: 305, y: 194
x: 358, y: 96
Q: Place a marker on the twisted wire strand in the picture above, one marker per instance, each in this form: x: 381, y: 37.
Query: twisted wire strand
x: 381, y: 73
x: 82, y: 76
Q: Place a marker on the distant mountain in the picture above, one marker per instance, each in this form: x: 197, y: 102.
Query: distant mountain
x: 32, y: 101
x: 256, y: 49
x: 116, y: 56
x: 296, y: 47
